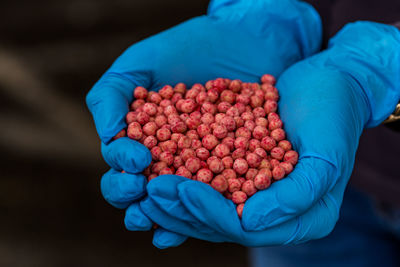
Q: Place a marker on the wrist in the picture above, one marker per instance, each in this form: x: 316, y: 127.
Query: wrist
x: 370, y: 53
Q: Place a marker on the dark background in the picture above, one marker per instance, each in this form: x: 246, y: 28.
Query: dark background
x: 51, y: 209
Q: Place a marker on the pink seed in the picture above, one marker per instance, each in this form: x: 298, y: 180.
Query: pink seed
x: 166, y: 171
x: 150, y: 109
x: 163, y: 134
x: 249, y: 188
x: 291, y: 156
x: 203, y: 130
x: 239, y: 153
x: 169, y: 146
x: 228, y: 96
x: 184, y: 142
x: 178, y: 162
x: 227, y: 162
x: 288, y: 167
x: 229, y: 174
x: 278, y: 134
x: 262, y: 180
x: 208, y: 107
x: 234, y: 185
x: 158, y: 166
x: 180, y: 88
x: 239, y: 197
x: 270, y: 106
x: 268, y: 143
x: 233, y: 112
x: 209, y: 141
x: 142, y: 118
x: 274, y: 163
x: 241, y: 142
x: 215, y: 165
x: 273, y: 116
x: 154, y: 97
x: 202, y: 153
x: 240, y: 166
x: 150, y: 142
x: 219, y: 183
x: 254, y: 144
x: 285, y: 144
x: 187, y: 153
x: 277, y: 153
x: 269, y: 79
x: 278, y: 172
x: 137, y: 104
x: 260, y: 132
x: 251, y: 173
x: 222, y: 150
x: 265, y: 164
x: 239, y: 209
x: 134, y: 131
x: 275, y: 124
x: 150, y: 128
x: 261, y: 152
x: 229, y: 123
x: 166, y: 92
x: 207, y: 118
x: 120, y: 134
x: 196, y: 144
x: 140, y: 92
x: 166, y: 157
x: 182, y: 171
x: 250, y: 125
x: 155, y: 152
x: 253, y: 160
x: 204, y: 175
x: 243, y: 132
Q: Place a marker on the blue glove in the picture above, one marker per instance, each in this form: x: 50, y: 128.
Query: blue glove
x: 237, y: 39
x: 326, y: 102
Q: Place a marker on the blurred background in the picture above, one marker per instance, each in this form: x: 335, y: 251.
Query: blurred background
x: 51, y: 209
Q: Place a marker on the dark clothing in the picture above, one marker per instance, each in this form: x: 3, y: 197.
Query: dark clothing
x: 376, y: 171
x: 337, y: 13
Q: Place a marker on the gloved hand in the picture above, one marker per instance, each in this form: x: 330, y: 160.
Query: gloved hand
x: 326, y: 102
x: 239, y: 39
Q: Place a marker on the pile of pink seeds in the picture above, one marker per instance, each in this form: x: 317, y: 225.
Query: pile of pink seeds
x: 226, y: 134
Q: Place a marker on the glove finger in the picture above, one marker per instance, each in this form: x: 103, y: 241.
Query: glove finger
x: 209, y: 207
x: 163, y: 190
x: 311, y: 179
x: 136, y: 220
x: 108, y: 101
x: 163, y: 239
x: 316, y: 223
x: 126, y: 154
x: 220, y: 223
x: 170, y: 222
x: 219, y: 214
x: 319, y: 221
x: 121, y: 189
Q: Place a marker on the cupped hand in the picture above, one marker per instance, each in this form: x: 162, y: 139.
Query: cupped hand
x: 236, y: 39
x: 326, y: 102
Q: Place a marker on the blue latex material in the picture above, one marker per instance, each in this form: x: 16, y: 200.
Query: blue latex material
x: 326, y: 102
x: 239, y: 39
